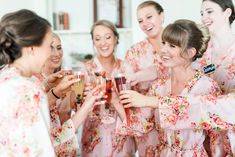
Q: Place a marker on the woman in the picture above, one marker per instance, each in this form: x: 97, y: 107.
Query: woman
x: 21, y: 118
x: 218, y: 16
x: 63, y: 126
x: 100, y: 139
x: 24, y: 104
x: 183, y: 43
x: 142, y: 58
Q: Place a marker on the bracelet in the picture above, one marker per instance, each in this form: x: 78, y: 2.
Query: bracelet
x: 57, y: 97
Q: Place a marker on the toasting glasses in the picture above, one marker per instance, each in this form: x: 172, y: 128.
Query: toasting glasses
x: 122, y: 84
x: 107, y: 115
x: 79, y: 86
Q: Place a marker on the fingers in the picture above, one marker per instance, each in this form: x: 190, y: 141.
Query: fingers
x: 88, y: 87
x: 100, y: 99
x: 93, y: 100
x: 69, y: 80
x: 124, y: 94
x: 53, y: 77
x: 69, y: 83
x: 64, y: 87
x: 125, y: 101
x: 128, y: 105
x: 71, y: 77
x: 59, y: 74
x: 98, y: 89
x: 99, y: 103
x: 66, y: 72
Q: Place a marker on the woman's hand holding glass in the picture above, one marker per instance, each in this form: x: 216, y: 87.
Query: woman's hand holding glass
x: 130, y: 98
x: 94, y: 97
x: 65, y: 84
x: 89, y: 85
x: 55, y: 78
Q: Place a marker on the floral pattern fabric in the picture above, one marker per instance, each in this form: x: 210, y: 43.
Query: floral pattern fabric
x: 63, y: 136
x: 22, y: 117
x: 99, y: 139
x: 224, y: 74
x: 182, y: 142
x: 142, y: 124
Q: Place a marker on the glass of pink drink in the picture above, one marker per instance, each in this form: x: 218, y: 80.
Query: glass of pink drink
x: 122, y: 84
x: 107, y: 115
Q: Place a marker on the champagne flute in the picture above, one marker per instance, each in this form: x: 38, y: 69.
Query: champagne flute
x: 79, y: 86
x: 107, y: 116
x: 121, y: 85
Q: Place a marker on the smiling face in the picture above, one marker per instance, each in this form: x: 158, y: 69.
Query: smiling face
x: 171, y: 56
x: 55, y: 59
x: 182, y: 43
x: 213, y: 16
x: 150, y: 21
x: 104, y: 41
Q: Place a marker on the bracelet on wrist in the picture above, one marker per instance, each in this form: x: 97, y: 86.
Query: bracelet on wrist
x: 57, y: 97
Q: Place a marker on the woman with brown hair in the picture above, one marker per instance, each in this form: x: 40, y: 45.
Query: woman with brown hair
x: 99, y: 138
x: 21, y: 98
x: 183, y: 42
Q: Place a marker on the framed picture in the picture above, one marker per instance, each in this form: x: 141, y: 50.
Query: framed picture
x: 110, y: 10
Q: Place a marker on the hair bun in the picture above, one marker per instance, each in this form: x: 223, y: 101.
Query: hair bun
x: 205, y: 38
x: 8, y: 47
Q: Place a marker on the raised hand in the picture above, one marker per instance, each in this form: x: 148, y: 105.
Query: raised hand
x: 130, y: 98
x: 65, y: 85
x: 53, y: 79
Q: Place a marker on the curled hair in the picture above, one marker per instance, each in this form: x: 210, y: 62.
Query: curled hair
x: 107, y: 24
x: 187, y: 34
x: 225, y: 4
x: 156, y: 5
x: 20, y: 29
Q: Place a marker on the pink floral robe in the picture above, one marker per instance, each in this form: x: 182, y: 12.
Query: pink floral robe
x: 182, y: 142
x: 101, y: 140
x: 24, y: 118
x: 141, y: 56
x: 64, y: 137
x: 225, y: 76
x: 197, y: 112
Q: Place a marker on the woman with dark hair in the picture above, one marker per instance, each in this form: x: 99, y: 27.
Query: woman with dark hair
x: 25, y: 40
x: 219, y: 60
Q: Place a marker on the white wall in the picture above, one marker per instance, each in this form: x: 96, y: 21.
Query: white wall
x: 83, y: 9
x: 39, y: 6
x: 173, y: 9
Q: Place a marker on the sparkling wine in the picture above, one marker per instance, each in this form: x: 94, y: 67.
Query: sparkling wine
x: 121, y: 84
x: 108, y: 92
x: 80, y: 85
